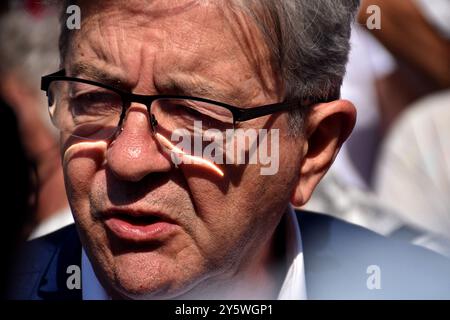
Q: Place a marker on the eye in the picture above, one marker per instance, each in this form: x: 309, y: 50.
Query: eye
x: 185, y: 113
x: 189, y: 110
x: 196, y: 111
x: 99, y: 103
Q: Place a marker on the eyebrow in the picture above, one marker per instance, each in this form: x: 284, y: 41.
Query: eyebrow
x: 179, y: 83
x: 91, y: 72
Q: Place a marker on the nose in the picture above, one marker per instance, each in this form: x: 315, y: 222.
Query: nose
x: 134, y: 153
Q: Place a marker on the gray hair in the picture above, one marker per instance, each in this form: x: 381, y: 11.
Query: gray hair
x: 309, y: 44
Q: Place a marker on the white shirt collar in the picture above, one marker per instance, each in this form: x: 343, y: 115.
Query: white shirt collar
x: 293, y: 288
x: 294, y: 284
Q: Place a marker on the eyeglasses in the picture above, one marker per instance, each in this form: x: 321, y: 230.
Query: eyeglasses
x: 94, y: 111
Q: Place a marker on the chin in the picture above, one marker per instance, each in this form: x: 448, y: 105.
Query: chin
x: 142, y: 276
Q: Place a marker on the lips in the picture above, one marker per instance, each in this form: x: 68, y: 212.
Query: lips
x: 138, y: 226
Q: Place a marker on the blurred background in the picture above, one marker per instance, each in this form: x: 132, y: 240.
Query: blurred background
x: 33, y: 197
x: 392, y: 176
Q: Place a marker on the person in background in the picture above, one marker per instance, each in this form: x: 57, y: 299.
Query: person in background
x: 28, y: 34
x: 416, y: 33
x: 412, y: 172
x: 18, y: 195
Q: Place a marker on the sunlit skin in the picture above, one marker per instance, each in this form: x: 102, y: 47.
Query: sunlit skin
x: 187, y: 158
x: 221, y: 240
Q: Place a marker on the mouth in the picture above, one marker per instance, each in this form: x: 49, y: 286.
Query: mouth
x: 138, y: 227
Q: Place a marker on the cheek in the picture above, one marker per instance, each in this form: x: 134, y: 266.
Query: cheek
x: 81, y: 162
x: 225, y: 206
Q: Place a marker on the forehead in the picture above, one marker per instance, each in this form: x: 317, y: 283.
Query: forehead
x: 158, y: 40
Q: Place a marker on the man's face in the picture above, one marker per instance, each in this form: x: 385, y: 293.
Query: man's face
x: 152, y: 229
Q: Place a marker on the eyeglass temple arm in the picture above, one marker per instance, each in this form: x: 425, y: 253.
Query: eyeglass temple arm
x: 253, y: 113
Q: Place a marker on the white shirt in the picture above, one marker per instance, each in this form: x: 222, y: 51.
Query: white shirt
x: 413, y: 169
x: 54, y: 222
x: 293, y: 287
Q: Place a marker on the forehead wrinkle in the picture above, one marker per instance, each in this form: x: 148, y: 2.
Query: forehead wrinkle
x: 144, y: 11
x: 111, y: 50
x: 133, y: 19
x: 203, y: 62
x: 217, y: 86
x: 244, y: 41
x: 105, y: 46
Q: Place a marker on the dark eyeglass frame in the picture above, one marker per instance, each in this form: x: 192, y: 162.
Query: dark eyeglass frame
x: 239, y: 114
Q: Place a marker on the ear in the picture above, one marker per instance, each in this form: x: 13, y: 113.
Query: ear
x: 327, y: 126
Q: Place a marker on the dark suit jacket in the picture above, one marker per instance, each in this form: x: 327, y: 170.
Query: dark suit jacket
x: 336, y: 255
